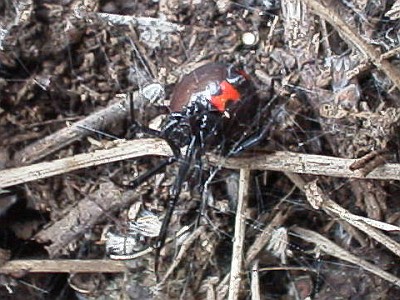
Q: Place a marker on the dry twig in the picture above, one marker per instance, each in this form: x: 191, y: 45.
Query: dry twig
x: 279, y: 161
x: 328, y: 247
x: 259, y: 244
x: 182, y: 252
x: 116, y: 112
x: 89, y: 211
x: 255, y: 282
x: 285, y: 161
x: 319, y: 200
x: 63, y: 266
x: 122, y: 151
x: 240, y: 226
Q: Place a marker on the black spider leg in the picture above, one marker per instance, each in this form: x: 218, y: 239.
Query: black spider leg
x: 137, y: 127
x: 156, y: 133
x: 199, y: 170
x: 252, y: 140
x: 184, y: 167
x: 158, y: 168
x: 162, y: 165
x: 150, y: 173
x: 255, y: 138
x: 200, y: 146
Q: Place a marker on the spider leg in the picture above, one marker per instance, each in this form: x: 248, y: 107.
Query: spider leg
x: 150, y: 173
x: 257, y: 137
x: 252, y: 140
x: 154, y: 133
x: 164, y: 163
x: 175, y: 192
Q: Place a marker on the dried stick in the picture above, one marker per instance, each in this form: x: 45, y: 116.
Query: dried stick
x: 116, y: 112
x: 182, y: 252
x: 124, y: 150
x: 285, y: 161
x: 255, y: 282
x: 89, y: 211
x: 328, y: 13
x: 63, y: 266
x: 264, y: 237
x: 279, y: 161
x: 240, y: 226
x: 319, y: 200
x: 328, y: 247
x: 259, y: 244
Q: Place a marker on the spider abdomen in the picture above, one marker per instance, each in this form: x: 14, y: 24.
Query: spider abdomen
x: 197, y: 83
x: 202, y: 102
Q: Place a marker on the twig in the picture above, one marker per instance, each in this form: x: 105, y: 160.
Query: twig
x: 392, y: 52
x: 319, y: 200
x: 223, y: 287
x: 259, y: 244
x: 89, y: 211
x: 279, y: 161
x: 182, y: 251
x: 369, y: 162
x: 264, y: 237
x: 328, y: 13
x: 63, y: 266
x: 328, y: 247
x: 255, y: 282
x: 96, y: 121
x: 285, y: 161
x: 124, y: 150
x: 240, y: 226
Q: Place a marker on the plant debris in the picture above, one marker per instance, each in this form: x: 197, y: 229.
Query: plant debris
x: 319, y: 213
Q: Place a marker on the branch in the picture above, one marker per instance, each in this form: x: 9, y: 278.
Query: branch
x: 283, y: 161
x: 116, y: 112
x: 63, y: 266
x: 124, y: 150
x: 238, y: 240
x: 328, y: 247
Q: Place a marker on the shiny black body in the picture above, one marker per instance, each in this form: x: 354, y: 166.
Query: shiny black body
x: 198, y: 124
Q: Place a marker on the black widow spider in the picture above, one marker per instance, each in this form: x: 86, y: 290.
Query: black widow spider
x: 209, y: 108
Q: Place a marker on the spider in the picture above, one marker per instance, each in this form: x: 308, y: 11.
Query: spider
x: 209, y: 109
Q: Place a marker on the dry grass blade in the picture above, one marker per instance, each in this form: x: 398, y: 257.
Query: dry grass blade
x: 328, y: 247
x: 319, y: 200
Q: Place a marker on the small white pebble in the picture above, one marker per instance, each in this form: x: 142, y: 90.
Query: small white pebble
x: 249, y: 38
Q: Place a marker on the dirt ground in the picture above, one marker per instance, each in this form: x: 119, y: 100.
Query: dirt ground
x: 310, y: 212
